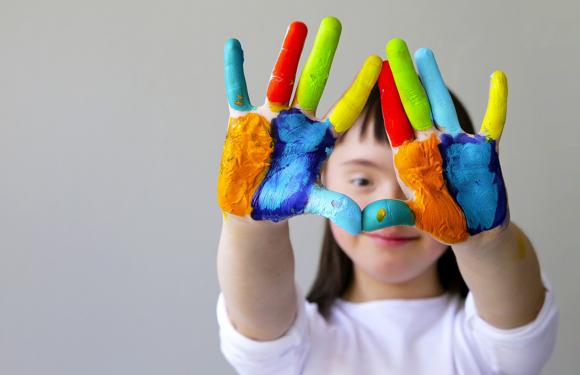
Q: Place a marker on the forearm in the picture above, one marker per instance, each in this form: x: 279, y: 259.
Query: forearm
x: 256, y: 274
x: 503, y: 274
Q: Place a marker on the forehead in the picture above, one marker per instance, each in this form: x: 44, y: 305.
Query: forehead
x: 361, y: 145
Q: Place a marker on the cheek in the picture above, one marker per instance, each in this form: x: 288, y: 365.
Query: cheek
x: 434, y: 248
x: 345, y: 240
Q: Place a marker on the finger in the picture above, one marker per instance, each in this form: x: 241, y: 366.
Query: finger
x: 442, y: 107
x: 282, y: 80
x: 337, y: 207
x: 236, y: 89
x: 410, y: 89
x: 386, y: 213
x: 397, y: 124
x: 317, y: 67
x: 495, y: 115
x: 348, y: 108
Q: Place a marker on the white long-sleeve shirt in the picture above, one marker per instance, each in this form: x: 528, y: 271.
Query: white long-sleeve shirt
x: 439, y: 335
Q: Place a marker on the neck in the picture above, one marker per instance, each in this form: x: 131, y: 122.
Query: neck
x: 366, y: 288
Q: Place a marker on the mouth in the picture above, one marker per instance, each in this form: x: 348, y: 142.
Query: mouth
x: 392, y: 239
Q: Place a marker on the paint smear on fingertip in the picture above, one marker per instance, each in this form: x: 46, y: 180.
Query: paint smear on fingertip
x: 245, y: 160
x: 381, y: 213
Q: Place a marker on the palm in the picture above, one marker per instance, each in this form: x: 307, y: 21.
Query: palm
x: 300, y: 146
x: 453, y: 179
x: 273, y: 154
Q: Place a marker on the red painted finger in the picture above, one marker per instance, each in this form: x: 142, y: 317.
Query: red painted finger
x: 282, y: 80
x: 396, y: 122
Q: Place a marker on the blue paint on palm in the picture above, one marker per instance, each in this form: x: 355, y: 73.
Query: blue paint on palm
x: 300, y: 147
x: 473, y: 175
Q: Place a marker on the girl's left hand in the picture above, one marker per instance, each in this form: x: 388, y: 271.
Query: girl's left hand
x: 453, y: 179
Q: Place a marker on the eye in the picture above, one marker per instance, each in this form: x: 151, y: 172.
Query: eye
x: 361, y: 181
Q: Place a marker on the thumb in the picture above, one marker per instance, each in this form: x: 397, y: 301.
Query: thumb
x: 339, y: 208
x: 386, y: 213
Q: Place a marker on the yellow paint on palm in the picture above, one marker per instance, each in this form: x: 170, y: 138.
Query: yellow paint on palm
x: 495, y: 115
x: 521, y: 245
x: 419, y: 165
x: 351, y: 104
x: 245, y: 161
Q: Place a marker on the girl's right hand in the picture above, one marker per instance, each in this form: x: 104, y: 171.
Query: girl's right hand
x: 273, y: 154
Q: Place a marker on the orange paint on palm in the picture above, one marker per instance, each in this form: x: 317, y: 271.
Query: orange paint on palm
x: 420, y: 167
x: 245, y: 161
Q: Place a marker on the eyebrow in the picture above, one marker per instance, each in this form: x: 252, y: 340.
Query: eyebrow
x: 363, y: 162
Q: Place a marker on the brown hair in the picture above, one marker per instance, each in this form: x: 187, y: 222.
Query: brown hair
x: 335, y: 268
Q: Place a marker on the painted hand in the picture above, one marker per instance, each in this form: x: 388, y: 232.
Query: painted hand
x: 453, y: 180
x: 273, y: 154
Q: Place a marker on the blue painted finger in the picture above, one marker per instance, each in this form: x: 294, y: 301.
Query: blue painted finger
x: 337, y: 207
x: 386, y: 213
x: 442, y: 107
x: 236, y: 89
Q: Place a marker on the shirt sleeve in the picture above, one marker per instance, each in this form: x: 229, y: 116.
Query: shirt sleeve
x: 284, y: 355
x: 521, y: 350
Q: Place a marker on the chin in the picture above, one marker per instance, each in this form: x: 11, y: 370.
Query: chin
x: 392, y: 271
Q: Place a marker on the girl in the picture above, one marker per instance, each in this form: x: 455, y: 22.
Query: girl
x: 390, y: 295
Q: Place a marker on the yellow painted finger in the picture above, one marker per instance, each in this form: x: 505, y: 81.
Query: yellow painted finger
x: 495, y: 115
x: 354, y: 99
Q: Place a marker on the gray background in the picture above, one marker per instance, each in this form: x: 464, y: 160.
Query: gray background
x: 112, y: 118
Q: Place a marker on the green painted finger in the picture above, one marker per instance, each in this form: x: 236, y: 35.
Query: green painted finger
x: 411, y: 91
x: 386, y: 213
x: 315, y: 73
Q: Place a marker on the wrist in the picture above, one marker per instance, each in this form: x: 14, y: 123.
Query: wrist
x: 247, y: 225
x: 488, y: 240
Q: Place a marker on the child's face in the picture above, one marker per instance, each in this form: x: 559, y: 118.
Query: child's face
x: 362, y: 168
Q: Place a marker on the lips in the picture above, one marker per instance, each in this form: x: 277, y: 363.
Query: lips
x: 392, y: 238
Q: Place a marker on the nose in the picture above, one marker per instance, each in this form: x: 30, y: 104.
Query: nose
x: 392, y: 190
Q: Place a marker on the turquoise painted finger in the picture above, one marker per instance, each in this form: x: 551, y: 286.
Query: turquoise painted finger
x: 386, y: 213
x: 410, y: 89
x: 337, y: 207
x: 442, y: 107
x: 236, y: 89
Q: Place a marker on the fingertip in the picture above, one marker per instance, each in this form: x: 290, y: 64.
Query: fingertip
x: 386, y: 213
x: 498, y: 80
x: 298, y: 27
x: 372, y: 68
x: 232, y: 44
x: 424, y: 54
x: 331, y: 23
x: 375, y: 61
x: 233, y: 53
x: 395, y: 46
